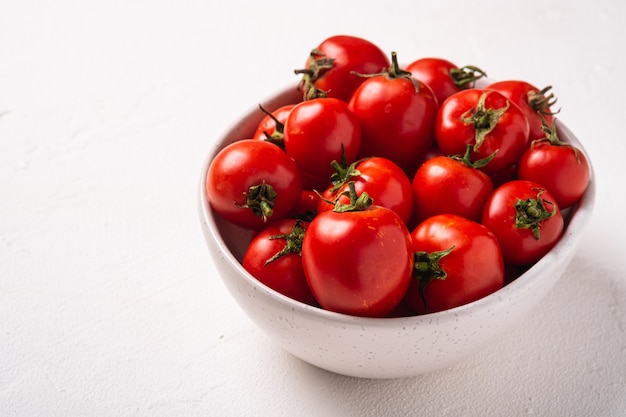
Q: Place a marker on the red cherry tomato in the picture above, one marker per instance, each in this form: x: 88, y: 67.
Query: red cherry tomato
x: 331, y: 66
x: 444, y: 77
x: 307, y: 207
x: 526, y: 220
x: 320, y: 131
x: 450, y: 185
x: 274, y: 258
x: 384, y: 181
x: 358, y: 261
x: 561, y: 167
x: 488, y: 121
x: 533, y: 102
x: 252, y: 182
x: 271, y: 127
x: 397, y: 115
x: 457, y: 261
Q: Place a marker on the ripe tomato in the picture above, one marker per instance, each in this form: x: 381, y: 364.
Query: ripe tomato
x: 444, y: 77
x: 533, y: 102
x: 307, y: 207
x: 457, y: 261
x: 357, y: 259
x: 271, y: 127
x: 526, y: 220
x: 329, y: 69
x: 251, y: 182
x: 488, y: 121
x: 274, y: 258
x: 320, y: 131
x: 384, y: 181
x: 397, y: 115
x: 452, y: 185
x: 561, y: 167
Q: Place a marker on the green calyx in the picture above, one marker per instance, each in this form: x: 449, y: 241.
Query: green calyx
x: 293, y: 242
x: 356, y: 203
x: 393, y: 72
x: 540, y: 101
x: 483, y: 119
x: 278, y: 136
x: 426, y: 268
x: 467, y: 161
x: 317, y: 64
x: 552, y: 137
x: 260, y: 199
x: 466, y: 76
x: 531, y: 212
x: 343, y: 172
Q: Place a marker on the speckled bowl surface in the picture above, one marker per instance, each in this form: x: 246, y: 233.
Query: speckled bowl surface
x: 379, y: 347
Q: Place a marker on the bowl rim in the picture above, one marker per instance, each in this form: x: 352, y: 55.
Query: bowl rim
x: 577, y: 218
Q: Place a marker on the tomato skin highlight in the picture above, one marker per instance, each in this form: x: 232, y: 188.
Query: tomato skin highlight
x: 519, y: 245
x: 562, y: 169
x: 285, y: 274
x: 474, y: 266
x: 247, y: 163
x: 359, y: 262
x: 443, y: 185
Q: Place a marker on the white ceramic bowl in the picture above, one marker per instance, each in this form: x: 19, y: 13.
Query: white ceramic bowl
x: 379, y: 347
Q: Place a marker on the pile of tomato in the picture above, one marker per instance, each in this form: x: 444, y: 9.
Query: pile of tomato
x: 389, y: 190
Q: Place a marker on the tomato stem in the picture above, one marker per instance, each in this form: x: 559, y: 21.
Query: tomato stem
x: 393, y: 72
x: 483, y: 119
x: 552, y: 138
x: 530, y: 213
x: 343, y: 172
x: 466, y: 76
x: 278, y: 137
x: 426, y: 268
x: 357, y: 202
x: 540, y: 101
x: 293, y: 242
x: 467, y: 161
x: 317, y: 64
x: 260, y: 199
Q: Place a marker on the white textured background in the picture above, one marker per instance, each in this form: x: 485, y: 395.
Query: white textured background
x: 109, y: 303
